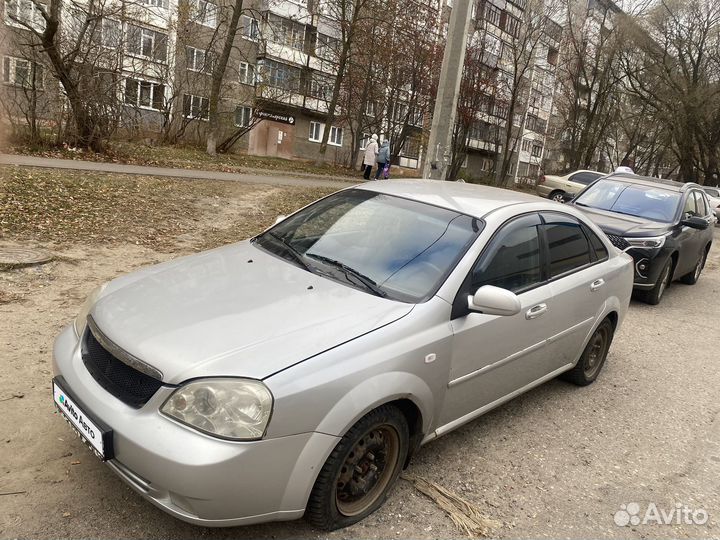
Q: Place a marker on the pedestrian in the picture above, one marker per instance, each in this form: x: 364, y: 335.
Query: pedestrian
x: 383, y: 160
x: 625, y: 167
x: 371, y: 152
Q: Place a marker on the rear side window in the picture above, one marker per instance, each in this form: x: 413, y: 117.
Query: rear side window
x: 513, y: 260
x: 599, y: 249
x: 700, y: 203
x: 568, y: 246
x: 585, y: 177
x: 690, y: 207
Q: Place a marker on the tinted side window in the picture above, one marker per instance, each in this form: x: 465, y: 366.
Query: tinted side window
x: 513, y: 260
x: 568, y: 246
x: 690, y: 208
x: 584, y: 177
x: 596, y: 244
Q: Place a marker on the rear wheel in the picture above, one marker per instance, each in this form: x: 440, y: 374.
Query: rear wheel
x: 361, y: 470
x: 593, y: 357
x: 691, y: 278
x: 654, y: 295
x: 557, y: 196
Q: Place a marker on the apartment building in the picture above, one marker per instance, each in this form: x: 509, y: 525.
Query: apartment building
x: 155, y: 60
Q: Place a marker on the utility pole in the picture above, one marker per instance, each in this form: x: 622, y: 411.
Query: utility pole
x: 438, y: 153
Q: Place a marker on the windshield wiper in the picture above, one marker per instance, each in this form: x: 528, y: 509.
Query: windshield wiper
x: 299, y: 257
x: 364, y: 280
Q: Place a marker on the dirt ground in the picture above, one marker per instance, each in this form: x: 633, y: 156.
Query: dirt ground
x: 557, y: 462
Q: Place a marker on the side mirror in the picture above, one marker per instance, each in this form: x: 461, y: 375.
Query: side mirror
x: 279, y: 219
x: 492, y: 300
x: 567, y: 197
x: 695, y: 222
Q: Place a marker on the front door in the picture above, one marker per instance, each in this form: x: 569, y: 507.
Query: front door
x: 492, y: 356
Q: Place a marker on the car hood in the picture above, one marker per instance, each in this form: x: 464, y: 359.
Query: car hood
x: 234, y: 311
x: 622, y: 224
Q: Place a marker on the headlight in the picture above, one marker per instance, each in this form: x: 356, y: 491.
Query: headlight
x: 229, y: 408
x: 81, y: 320
x: 649, y: 242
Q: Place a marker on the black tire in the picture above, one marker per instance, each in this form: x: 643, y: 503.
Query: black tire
x: 593, y: 357
x: 557, y: 195
x: 347, y: 488
x: 654, y: 295
x: 691, y: 278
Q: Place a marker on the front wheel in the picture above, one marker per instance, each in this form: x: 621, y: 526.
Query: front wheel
x: 654, y: 295
x: 360, y: 471
x: 593, y: 357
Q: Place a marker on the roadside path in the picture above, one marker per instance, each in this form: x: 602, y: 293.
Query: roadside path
x: 259, y: 176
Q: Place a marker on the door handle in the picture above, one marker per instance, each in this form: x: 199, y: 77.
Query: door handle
x: 535, y: 311
x: 595, y: 285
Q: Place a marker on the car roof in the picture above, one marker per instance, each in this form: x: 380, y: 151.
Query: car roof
x: 472, y: 199
x: 650, y: 181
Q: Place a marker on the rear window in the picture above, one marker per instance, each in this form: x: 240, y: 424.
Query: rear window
x: 648, y: 202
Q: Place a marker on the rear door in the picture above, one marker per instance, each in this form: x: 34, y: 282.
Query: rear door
x: 690, y: 241
x: 577, y: 281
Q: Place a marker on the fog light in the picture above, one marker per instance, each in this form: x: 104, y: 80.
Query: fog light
x: 641, y: 268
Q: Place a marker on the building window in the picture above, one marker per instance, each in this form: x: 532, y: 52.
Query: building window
x: 24, y: 13
x: 364, y: 141
x: 321, y: 86
x: 316, y: 131
x: 492, y: 14
x: 155, y: 3
x: 536, y: 150
x: 247, y: 73
x: 110, y: 33
x: 510, y: 24
x: 370, y: 108
x: 243, y: 116
x: 526, y: 145
x: 148, y: 43
x: 196, y: 107
x: 144, y: 94
x: 327, y: 47
x: 198, y: 60
x: 286, y: 32
x: 250, y: 27
x: 205, y: 13
x: 278, y: 75
x: 336, y: 136
x: 21, y: 72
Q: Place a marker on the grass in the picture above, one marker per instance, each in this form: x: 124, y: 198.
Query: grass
x: 67, y: 207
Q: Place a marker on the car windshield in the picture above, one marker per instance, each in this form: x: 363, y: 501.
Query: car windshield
x: 643, y: 201
x: 389, y: 246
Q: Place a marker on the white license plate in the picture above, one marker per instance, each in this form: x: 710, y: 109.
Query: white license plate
x: 88, y: 430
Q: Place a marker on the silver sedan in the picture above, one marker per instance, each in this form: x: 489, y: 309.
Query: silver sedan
x: 297, y: 372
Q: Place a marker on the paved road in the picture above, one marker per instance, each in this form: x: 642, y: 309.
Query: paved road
x: 254, y: 176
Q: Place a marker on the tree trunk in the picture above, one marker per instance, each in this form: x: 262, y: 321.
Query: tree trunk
x: 218, y: 75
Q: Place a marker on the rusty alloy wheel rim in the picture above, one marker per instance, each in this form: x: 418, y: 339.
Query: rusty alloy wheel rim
x: 367, y: 470
x: 597, y: 350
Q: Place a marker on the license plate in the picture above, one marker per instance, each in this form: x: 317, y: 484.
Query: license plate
x: 92, y: 432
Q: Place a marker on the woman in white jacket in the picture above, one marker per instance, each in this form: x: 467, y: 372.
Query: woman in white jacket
x: 371, y: 152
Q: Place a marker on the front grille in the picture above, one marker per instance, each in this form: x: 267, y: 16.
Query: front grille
x: 618, y: 241
x: 124, y: 382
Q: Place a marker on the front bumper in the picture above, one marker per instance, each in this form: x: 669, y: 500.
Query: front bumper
x: 654, y: 261
x: 195, y: 477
